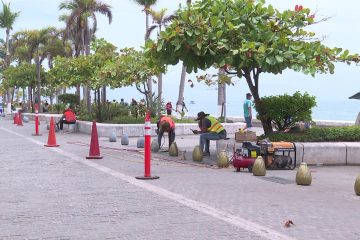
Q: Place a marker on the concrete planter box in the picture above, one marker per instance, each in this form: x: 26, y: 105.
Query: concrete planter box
x: 327, y: 153
x: 353, y: 153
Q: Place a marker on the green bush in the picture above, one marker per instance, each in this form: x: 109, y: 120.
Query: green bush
x: 316, y: 134
x: 57, y: 108
x: 284, y: 111
x: 69, y: 98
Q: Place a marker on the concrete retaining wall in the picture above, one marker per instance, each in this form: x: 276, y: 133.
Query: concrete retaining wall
x: 327, y: 153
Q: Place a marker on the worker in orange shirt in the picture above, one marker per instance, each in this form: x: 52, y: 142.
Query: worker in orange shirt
x: 166, y: 124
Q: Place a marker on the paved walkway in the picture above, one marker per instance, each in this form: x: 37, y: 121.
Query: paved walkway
x: 55, y: 193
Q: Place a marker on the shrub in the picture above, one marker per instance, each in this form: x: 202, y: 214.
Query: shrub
x: 316, y: 134
x: 284, y: 111
x: 69, y: 98
x: 57, y: 108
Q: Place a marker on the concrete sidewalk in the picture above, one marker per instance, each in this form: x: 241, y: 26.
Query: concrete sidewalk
x: 55, y: 193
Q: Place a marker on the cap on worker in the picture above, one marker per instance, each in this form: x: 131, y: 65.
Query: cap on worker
x: 201, y: 115
x: 248, y: 94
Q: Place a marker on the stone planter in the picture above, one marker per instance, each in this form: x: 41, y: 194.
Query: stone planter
x: 357, y: 186
x: 303, y: 175
x: 222, y: 159
x: 124, y: 139
x: 259, y: 167
x: 197, y: 154
x: 173, y: 150
x: 155, y: 146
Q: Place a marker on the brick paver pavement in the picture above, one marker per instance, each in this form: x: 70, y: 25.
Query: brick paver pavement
x: 58, y: 194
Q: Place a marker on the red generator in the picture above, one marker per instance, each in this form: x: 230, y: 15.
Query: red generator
x: 245, y: 156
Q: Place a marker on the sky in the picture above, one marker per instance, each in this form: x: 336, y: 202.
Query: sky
x: 128, y: 28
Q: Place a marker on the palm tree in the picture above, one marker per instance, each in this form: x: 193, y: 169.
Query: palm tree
x: 147, y: 4
x: 82, y: 18
x: 39, y: 39
x: 56, y: 46
x: 7, y: 19
x: 159, y: 20
x: 22, y: 51
x: 73, y: 34
x: 35, y: 45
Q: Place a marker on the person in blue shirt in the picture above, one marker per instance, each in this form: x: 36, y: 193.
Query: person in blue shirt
x: 248, y: 111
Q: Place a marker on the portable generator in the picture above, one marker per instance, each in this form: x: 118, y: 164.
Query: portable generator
x: 278, y: 155
x: 245, y: 156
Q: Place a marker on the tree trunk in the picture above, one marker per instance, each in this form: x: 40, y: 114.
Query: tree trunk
x: 159, y: 100
x: 77, y: 92
x: 38, y: 81
x: 99, y: 105
x: 222, y: 95
x: 181, y: 89
x: 87, y: 38
x: 7, y: 63
x: 149, y: 80
x: 103, y: 95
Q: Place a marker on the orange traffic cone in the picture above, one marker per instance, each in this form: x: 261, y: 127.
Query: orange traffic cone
x: 94, y: 152
x: 19, y: 121
x: 52, y: 138
x: 15, y: 118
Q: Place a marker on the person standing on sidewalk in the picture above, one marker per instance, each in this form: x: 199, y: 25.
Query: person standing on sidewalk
x: 169, y: 108
x: 210, y: 129
x: 248, y: 111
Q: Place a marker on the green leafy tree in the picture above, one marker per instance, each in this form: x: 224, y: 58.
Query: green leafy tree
x: 22, y: 76
x: 7, y: 20
x: 246, y: 38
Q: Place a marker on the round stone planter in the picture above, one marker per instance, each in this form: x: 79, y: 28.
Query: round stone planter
x: 303, y: 175
x: 357, y: 186
x: 222, y: 159
x: 124, y: 139
x: 197, y: 154
x: 155, y: 146
x: 259, y: 167
x: 112, y: 137
x: 173, y: 150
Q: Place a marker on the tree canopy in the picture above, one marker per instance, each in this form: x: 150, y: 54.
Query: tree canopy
x: 246, y: 38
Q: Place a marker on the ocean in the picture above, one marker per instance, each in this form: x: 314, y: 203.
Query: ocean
x: 327, y: 109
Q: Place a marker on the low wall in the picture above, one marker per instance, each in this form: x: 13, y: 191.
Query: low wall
x: 327, y: 153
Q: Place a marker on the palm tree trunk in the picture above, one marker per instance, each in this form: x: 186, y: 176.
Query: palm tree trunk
x: 38, y: 81
x: 87, y: 53
x: 181, y: 89
x: 149, y: 80
x: 159, y: 100
x: 222, y: 96
x: 29, y: 98
x: 7, y: 63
